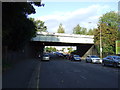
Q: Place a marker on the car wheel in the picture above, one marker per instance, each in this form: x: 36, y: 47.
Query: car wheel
x: 86, y: 61
x: 115, y: 65
x: 92, y: 62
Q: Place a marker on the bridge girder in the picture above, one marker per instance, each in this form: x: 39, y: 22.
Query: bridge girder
x: 39, y: 46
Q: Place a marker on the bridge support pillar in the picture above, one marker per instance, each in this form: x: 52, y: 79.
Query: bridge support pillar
x: 91, y: 51
x: 33, y: 50
x: 82, y: 49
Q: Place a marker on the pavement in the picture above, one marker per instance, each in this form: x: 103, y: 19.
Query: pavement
x: 21, y: 75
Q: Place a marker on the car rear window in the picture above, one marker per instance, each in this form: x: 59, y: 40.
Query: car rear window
x: 46, y: 55
x: 116, y: 57
x: 76, y: 56
x: 94, y: 57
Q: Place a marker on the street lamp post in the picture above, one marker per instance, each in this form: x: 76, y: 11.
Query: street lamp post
x: 100, y: 44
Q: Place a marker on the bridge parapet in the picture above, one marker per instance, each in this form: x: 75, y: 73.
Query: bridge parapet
x: 64, y: 38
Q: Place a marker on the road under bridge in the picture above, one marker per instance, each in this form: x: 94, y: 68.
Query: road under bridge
x: 84, y: 43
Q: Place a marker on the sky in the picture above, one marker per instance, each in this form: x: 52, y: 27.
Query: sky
x: 71, y: 13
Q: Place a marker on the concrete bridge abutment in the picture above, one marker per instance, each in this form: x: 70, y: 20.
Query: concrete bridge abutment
x: 84, y: 50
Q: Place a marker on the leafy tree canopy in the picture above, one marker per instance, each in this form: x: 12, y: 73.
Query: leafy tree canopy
x: 17, y: 28
x: 91, y: 32
x: 50, y: 49
x: 79, y: 30
x: 39, y: 25
x: 61, y: 29
x: 108, y: 24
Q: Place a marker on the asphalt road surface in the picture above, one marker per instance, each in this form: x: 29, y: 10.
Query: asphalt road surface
x: 62, y: 73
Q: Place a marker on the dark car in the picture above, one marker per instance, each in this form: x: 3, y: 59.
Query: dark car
x: 60, y: 54
x: 69, y: 56
x: 112, y: 61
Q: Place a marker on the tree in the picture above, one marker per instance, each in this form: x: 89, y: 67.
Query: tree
x: 61, y: 29
x: 50, y: 49
x: 39, y: 25
x: 54, y: 49
x: 77, y: 29
x: 91, y: 32
x: 74, y: 52
x: 17, y: 28
x: 108, y: 24
x: 83, y: 31
x: 70, y: 50
x: 63, y: 49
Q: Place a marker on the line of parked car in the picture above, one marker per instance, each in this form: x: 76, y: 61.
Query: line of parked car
x: 111, y: 60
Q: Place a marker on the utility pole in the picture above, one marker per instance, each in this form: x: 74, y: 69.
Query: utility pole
x: 100, y: 43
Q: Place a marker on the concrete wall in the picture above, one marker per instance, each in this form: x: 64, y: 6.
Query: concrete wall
x: 83, y: 48
x: 91, y: 51
x: 30, y: 50
x: 12, y: 57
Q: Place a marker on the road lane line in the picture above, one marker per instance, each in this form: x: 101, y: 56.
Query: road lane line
x: 83, y: 77
x: 32, y: 81
x: 38, y: 76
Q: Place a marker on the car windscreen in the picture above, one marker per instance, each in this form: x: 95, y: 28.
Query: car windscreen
x: 46, y: 55
x: 76, y: 56
x: 116, y: 57
x: 94, y: 57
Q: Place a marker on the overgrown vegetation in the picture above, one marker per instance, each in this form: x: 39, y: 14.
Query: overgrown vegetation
x: 108, y: 24
x: 17, y: 28
x: 40, y: 27
x: 50, y: 49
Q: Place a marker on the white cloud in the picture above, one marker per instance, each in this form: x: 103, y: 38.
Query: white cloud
x: 81, y: 0
x: 70, y: 19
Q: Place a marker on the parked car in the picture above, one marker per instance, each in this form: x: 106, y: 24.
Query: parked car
x: 46, y: 57
x: 67, y: 56
x: 93, y: 59
x: 75, y: 58
x: 112, y: 61
x: 60, y: 54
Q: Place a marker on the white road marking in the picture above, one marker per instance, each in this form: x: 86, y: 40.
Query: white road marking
x: 38, y: 76
x: 83, y: 77
x: 34, y: 81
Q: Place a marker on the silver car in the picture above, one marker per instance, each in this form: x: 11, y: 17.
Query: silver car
x: 46, y: 57
x: 93, y: 59
x: 76, y: 58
